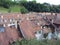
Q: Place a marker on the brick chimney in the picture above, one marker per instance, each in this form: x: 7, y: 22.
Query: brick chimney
x: 52, y: 20
x: 2, y: 17
x: 55, y: 16
x: 27, y: 18
x: 51, y: 13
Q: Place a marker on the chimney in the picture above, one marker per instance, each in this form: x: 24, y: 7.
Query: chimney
x: 38, y: 24
x: 41, y: 27
x: 55, y: 16
x: 4, y: 25
x: 27, y: 18
x: 51, y: 13
x: 18, y: 16
x: 52, y: 20
x: 2, y: 17
x: 15, y: 23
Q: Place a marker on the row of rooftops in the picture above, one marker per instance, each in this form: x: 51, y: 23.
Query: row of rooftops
x: 28, y: 23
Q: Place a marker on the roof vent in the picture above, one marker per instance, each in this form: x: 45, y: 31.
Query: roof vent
x: 2, y: 17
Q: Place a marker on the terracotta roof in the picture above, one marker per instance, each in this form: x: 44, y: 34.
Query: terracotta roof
x: 28, y: 29
x: 56, y: 19
x: 10, y: 34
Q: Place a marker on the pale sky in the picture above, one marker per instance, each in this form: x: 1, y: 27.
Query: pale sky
x: 56, y: 2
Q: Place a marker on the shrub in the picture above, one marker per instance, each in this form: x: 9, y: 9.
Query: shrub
x: 23, y: 10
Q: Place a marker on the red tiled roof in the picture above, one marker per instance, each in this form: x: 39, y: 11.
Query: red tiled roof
x: 8, y: 35
x: 55, y: 18
x: 27, y: 29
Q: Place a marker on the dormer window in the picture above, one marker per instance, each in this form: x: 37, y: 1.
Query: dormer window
x: 4, y: 25
x: 50, y: 19
x: 44, y: 27
x: 45, y: 17
x: 37, y: 32
x: 1, y: 20
x: 5, y: 20
x: 38, y: 35
x: 19, y: 19
x: 1, y: 28
x: 11, y: 25
x: 11, y: 20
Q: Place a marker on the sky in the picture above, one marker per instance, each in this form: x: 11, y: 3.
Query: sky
x: 55, y: 2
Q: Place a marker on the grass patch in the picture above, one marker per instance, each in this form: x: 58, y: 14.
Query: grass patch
x: 15, y: 9
x: 36, y: 42
x: 3, y: 10
x: 12, y: 9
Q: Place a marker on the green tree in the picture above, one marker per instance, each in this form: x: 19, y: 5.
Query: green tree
x: 34, y: 1
x: 24, y: 0
x: 23, y: 10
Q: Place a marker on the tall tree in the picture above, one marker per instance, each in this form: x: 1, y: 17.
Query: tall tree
x: 34, y: 1
x: 24, y: 0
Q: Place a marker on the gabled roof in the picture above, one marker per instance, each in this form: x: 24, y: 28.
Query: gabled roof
x: 9, y: 35
x: 28, y: 29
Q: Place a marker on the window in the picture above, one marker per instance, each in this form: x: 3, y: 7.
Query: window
x: 45, y: 35
x: 50, y: 19
x: 5, y: 20
x: 44, y: 27
x: 11, y: 25
x: 38, y: 35
x: 1, y: 28
x: 4, y: 25
x: 1, y: 20
x: 39, y: 31
x: 11, y: 20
